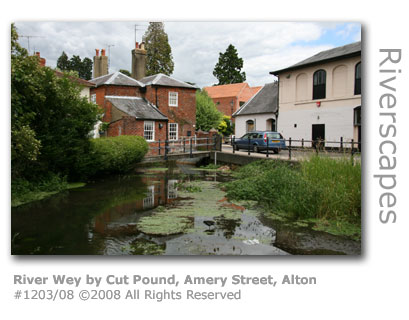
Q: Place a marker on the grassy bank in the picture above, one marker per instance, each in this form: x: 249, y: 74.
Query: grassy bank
x: 23, y: 191
x: 323, y: 191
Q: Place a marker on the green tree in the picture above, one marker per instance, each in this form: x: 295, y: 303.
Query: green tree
x: 82, y: 67
x: 226, y: 128
x: 63, y: 62
x: 125, y: 72
x: 50, y: 121
x: 207, y: 115
x: 228, y: 68
x: 159, y: 53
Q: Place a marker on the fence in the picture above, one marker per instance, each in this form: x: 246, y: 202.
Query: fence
x: 318, y: 146
x: 184, y: 145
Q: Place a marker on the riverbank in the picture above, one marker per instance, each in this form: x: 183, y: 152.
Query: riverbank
x: 320, y: 193
x: 23, y: 191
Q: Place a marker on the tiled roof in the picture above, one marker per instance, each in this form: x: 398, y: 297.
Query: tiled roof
x: 117, y: 79
x: 348, y: 50
x: 264, y: 101
x: 226, y: 90
x: 137, y: 107
x: 78, y: 80
x: 164, y: 80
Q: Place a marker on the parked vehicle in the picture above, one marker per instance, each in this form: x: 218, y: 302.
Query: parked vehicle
x: 258, y: 140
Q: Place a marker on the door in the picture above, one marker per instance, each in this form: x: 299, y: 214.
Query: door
x: 318, y: 135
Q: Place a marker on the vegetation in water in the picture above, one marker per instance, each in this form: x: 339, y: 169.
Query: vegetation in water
x: 319, y: 188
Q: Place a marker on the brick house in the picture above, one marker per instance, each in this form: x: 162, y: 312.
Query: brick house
x: 155, y: 107
x: 230, y: 97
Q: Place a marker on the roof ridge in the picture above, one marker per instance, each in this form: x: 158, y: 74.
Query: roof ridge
x: 113, y: 76
x: 248, y: 101
x: 130, y: 78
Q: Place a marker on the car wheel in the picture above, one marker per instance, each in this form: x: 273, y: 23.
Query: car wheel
x: 256, y: 149
x: 276, y: 151
x: 236, y: 147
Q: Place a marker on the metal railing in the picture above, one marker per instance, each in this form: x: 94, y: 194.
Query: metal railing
x: 184, y: 145
x: 318, y: 146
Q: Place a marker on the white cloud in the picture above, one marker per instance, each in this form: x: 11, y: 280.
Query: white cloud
x: 264, y: 46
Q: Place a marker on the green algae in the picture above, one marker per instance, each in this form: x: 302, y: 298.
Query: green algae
x: 146, y: 247
x: 209, y: 202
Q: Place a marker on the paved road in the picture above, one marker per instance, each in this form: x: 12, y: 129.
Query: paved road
x: 295, y: 154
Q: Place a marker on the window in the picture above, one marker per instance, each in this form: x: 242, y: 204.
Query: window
x: 357, y: 116
x: 173, y: 99
x: 357, y: 78
x: 319, y: 84
x: 173, y: 131
x: 94, y: 98
x: 149, y: 130
x: 172, y: 189
x: 149, y: 201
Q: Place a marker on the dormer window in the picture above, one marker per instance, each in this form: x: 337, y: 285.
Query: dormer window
x: 173, y: 99
x: 320, y: 80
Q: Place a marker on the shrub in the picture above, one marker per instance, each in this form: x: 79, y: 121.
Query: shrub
x: 113, y: 155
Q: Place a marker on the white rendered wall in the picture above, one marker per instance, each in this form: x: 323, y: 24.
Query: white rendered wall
x: 260, y: 122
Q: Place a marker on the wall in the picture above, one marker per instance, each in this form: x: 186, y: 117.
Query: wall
x: 259, y: 119
x: 335, y: 111
x: 184, y: 114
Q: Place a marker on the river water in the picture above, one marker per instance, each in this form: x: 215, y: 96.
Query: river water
x: 173, y: 210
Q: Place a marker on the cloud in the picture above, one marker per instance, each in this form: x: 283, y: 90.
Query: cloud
x: 264, y: 46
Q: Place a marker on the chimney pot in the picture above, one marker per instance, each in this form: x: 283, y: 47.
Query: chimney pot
x: 103, y: 52
x: 38, y: 54
x: 136, y: 45
x: 97, y: 52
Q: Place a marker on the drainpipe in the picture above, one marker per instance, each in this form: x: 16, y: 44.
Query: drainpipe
x: 278, y: 102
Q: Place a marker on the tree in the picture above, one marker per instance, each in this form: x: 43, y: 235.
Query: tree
x: 159, y: 53
x: 50, y: 121
x: 228, y: 68
x: 226, y: 128
x: 82, y: 67
x: 125, y: 72
x: 207, y: 115
x: 63, y: 62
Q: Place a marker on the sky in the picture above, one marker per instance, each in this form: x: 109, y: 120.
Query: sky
x: 264, y: 46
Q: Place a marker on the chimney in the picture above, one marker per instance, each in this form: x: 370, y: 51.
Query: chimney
x: 139, y: 61
x: 42, y: 60
x: 100, y: 63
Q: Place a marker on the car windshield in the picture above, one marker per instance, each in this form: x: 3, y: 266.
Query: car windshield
x: 274, y: 135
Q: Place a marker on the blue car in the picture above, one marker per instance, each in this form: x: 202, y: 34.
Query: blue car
x: 257, y: 141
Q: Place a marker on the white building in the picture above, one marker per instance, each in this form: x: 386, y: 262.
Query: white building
x: 320, y: 97
x: 259, y: 113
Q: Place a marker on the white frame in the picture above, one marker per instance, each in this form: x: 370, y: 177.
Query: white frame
x: 93, y: 98
x: 173, y: 99
x: 152, y: 123
x: 177, y: 131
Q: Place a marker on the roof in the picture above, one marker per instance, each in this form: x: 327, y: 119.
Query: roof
x: 264, y: 101
x: 80, y: 81
x: 161, y: 79
x: 137, y: 107
x: 226, y: 90
x: 117, y: 79
x: 349, y: 50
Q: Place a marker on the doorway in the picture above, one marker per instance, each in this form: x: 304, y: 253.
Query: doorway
x: 318, y: 135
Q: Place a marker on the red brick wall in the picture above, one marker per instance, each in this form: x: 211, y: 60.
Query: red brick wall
x: 224, y: 105
x: 184, y: 114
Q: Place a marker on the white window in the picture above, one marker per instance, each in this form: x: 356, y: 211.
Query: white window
x: 173, y: 99
x: 173, y: 131
x: 149, y: 130
x: 149, y: 201
x: 172, y: 189
x: 94, y: 98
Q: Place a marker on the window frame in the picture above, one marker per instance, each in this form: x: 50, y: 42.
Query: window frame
x: 319, y: 90
x: 176, y: 132
x: 153, y: 130
x: 357, y: 80
x: 93, y: 98
x: 175, y: 98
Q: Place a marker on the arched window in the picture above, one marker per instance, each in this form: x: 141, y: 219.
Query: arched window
x: 320, y: 79
x: 357, y: 78
x: 249, y: 125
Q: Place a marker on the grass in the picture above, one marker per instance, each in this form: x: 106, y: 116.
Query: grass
x: 23, y: 191
x: 324, y: 189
